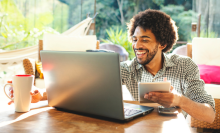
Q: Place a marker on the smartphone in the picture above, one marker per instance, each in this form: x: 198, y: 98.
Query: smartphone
x: 168, y: 111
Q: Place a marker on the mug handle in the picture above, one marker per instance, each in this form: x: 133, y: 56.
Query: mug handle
x: 5, y: 91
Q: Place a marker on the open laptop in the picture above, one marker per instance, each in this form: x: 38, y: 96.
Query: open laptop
x: 87, y: 82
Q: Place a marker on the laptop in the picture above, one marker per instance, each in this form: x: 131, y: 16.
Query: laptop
x: 88, y: 83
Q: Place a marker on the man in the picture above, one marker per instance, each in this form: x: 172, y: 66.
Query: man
x: 152, y: 34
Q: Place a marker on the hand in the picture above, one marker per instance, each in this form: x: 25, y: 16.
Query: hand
x: 11, y: 93
x: 167, y: 100
x: 35, y: 96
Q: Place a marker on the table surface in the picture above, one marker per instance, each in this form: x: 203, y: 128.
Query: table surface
x: 42, y: 118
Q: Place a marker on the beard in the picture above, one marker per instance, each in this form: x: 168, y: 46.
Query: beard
x: 150, y: 55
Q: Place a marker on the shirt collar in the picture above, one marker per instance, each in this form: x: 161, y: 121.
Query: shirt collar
x: 168, y: 61
x: 138, y: 66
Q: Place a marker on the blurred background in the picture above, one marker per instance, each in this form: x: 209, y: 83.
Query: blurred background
x: 23, y: 22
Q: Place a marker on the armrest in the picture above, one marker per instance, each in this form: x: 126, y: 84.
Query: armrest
x: 189, y: 49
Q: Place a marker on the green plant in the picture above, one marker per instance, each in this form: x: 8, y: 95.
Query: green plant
x: 13, y: 37
x: 16, y: 30
x: 119, y: 37
x: 182, y: 18
x: 204, y: 34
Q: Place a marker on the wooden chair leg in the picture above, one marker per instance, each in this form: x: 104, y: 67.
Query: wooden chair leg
x: 189, y: 50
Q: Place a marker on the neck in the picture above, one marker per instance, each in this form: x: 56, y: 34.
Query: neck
x: 156, y: 64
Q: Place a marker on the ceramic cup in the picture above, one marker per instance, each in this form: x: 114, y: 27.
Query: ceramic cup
x: 22, y: 85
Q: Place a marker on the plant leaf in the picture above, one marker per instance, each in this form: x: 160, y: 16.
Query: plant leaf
x: 4, y: 35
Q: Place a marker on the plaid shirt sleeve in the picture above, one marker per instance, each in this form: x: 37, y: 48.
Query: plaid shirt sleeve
x: 194, y: 85
x: 124, y: 72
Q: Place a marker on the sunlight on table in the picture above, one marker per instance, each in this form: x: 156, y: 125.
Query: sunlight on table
x: 26, y: 115
x: 172, y: 126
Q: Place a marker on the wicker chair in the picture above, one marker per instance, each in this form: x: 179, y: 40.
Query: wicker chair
x: 206, y: 51
x: 117, y: 48
x: 181, y: 50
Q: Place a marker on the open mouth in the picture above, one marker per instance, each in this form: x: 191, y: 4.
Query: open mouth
x: 140, y: 53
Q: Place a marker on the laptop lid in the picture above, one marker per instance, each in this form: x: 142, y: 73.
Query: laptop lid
x: 87, y: 82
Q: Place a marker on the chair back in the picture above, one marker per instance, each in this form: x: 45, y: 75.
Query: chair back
x: 206, y: 51
x: 117, y: 48
x: 41, y: 45
x: 181, y: 50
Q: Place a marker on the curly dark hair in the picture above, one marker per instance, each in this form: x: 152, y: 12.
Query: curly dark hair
x: 160, y: 24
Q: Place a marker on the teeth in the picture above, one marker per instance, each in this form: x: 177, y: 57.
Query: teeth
x: 141, y: 52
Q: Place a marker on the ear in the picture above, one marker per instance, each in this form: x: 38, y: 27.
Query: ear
x: 162, y: 47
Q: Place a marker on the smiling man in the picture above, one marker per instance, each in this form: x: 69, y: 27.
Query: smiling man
x: 153, y: 33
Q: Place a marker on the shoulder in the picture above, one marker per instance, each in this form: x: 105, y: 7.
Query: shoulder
x: 180, y: 60
x: 129, y: 65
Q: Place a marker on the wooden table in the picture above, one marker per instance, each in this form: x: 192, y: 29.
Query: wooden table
x: 44, y: 119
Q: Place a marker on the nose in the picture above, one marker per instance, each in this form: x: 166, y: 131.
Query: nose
x: 138, y: 44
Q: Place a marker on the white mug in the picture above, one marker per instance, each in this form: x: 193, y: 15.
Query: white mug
x: 22, y: 86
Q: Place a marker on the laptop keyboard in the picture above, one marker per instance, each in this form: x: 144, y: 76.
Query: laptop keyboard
x: 129, y: 112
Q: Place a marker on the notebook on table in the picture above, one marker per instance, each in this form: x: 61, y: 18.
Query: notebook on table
x: 87, y: 82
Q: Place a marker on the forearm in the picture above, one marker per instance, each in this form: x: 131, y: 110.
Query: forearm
x: 200, y: 111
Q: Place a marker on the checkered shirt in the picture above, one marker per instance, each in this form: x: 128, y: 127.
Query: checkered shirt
x: 180, y: 70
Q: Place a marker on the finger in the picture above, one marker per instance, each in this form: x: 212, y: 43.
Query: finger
x: 171, y: 88
x: 154, y: 99
x: 10, y: 92
x: 150, y: 95
x: 9, y: 103
x: 36, y: 91
x: 165, y: 99
x: 9, y: 81
x: 32, y: 93
x: 146, y: 96
x: 10, y: 88
x: 11, y: 95
x: 36, y: 96
x: 159, y: 101
x: 165, y: 79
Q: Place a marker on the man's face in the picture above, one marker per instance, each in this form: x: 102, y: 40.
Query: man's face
x: 144, y: 45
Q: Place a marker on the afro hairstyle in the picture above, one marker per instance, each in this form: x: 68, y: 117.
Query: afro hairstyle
x: 160, y: 24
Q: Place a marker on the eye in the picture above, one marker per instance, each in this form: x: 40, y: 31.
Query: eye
x: 134, y: 40
x: 145, y: 41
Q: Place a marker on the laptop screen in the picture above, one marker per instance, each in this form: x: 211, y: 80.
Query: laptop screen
x: 87, y: 82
